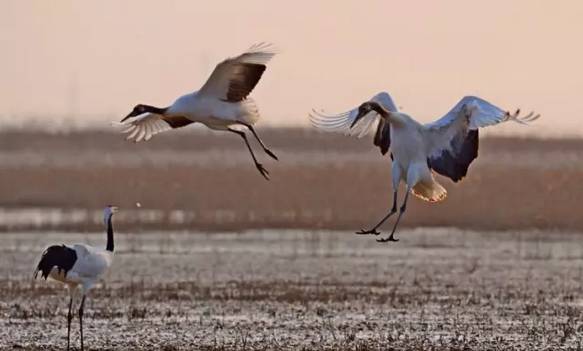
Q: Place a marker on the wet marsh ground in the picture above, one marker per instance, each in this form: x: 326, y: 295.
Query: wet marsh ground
x: 438, y: 289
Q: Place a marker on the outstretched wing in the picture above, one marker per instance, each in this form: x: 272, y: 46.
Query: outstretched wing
x: 234, y: 78
x: 366, y: 125
x: 453, y: 139
x: 145, y: 126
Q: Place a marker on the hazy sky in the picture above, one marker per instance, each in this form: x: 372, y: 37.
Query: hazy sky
x: 93, y: 60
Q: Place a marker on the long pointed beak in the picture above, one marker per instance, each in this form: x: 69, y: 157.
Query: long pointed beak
x: 358, y: 117
x: 128, y: 116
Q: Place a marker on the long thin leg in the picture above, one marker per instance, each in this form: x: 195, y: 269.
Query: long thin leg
x: 391, y: 212
x: 259, y: 166
x: 267, y: 151
x: 402, y: 210
x: 69, y: 319
x: 81, y: 320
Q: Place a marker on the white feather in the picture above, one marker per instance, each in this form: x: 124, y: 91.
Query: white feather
x: 90, y: 265
x: 342, y: 122
x: 143, y: 127
x: 469, y: 113
x: 209, y: 105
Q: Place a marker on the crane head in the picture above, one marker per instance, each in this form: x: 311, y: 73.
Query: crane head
x: 108, y: 212
x: 138, y: 110
x: 365, y: 108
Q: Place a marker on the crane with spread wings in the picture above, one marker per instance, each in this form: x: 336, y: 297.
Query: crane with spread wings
x: 447, y: 146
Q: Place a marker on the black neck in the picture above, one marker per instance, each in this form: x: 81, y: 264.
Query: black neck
x: 380, y: 110
x: 109, y: 245
x: 156, y: 110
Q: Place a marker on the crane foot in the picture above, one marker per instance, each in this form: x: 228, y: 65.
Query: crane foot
x: 366, y: 232
x: 262, y: 170
x: 390, y: 238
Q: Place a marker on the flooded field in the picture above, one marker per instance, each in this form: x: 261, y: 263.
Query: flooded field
x: 439, y: 289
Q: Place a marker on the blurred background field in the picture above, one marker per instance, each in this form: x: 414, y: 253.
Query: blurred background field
x: 200, y: 180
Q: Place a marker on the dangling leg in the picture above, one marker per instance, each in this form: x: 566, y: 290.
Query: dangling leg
x: 402, y: 210
x: 267, y: 151
x: 81, y: 320
x: 392, y: 212
x: 259, y: 166
x: 69, y: 319
x: 396, y: 178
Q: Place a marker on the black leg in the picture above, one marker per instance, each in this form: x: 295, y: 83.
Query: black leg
x: 402, y: 210
x: 69, y: 319
x: 259, y: 166
x: 267, y: 151
x: 392, y: 212
x: 81, y: 320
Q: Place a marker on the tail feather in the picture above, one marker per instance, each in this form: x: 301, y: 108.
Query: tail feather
x: 59, y: 256
x: 250, y: 111
x: 430, y: 191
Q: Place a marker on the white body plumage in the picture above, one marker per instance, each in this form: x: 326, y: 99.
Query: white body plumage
x: 214, y: 113
x: 91, y: 264
x: 78, y: 265
x: 446, y: 146
x: 409, y: 149
x: 222, y: 103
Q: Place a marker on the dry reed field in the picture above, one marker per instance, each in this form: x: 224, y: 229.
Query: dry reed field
x: 203, y: 181
x: 438, y: 289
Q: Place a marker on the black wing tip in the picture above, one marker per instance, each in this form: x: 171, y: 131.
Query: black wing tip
x: 455, y: 163
x: 243, y: 83
x: 60, y: 256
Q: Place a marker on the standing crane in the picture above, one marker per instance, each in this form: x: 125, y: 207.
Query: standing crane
x: 78, y: 264
x: 221, y: 104
x: 447, y: 146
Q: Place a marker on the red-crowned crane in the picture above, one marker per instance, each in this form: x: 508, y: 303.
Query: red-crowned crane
x: 447, y: 146
x: 78, y: 265
x: 221, y: 104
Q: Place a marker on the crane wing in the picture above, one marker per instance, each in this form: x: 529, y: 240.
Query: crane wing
x: 60, y: 256
x: 234, y: 78
x: 91, y: 262
x: 453, y: 139
x: 145, y: 126
x: 366, y: 125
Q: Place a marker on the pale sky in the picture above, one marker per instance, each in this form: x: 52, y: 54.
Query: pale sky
x: 92, y: 61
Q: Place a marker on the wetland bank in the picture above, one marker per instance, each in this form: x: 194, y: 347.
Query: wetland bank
x: 438, y: 289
